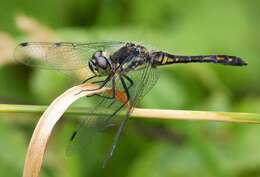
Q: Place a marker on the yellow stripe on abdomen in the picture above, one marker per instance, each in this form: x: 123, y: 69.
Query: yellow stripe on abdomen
x: 164, y: 59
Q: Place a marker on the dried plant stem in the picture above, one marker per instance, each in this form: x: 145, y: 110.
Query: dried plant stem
x: 46, y: 123
x: 198, y: 115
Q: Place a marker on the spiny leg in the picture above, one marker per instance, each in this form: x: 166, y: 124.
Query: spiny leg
x: 129, y: 80
x: 101, y: 86
x: 94, y: 82
x: 88, y: 79
x: 125, y: 87
x: 112, y: 88
x: 128, y: 87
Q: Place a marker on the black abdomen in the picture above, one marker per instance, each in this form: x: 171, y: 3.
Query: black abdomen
x: 165, y: 59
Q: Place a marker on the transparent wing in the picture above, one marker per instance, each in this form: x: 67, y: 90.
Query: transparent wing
x: 144, y: 81
x: 60, y: 56
x: 92, y: 129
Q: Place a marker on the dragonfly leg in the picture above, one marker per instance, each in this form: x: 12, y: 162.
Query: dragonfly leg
x: 88, y: 79
x: 129, y: 80
x: 101, y: 86
x: 113, y: 93
x: 112, y: 88
x: 119, y: 108
x: 125, y: 87
x: 96, y: 82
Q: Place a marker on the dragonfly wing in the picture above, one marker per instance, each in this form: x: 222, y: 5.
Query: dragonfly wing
x: 144, y: 80
x: 60, y: 56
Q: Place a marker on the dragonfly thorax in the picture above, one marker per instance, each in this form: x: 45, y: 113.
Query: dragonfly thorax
x: 100, y: 64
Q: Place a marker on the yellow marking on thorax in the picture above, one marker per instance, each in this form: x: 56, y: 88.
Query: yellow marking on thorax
x: 230, y: 59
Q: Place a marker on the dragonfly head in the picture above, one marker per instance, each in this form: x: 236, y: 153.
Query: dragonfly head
x: 100, y: 64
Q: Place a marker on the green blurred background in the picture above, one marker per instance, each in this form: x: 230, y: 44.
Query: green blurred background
x: 151, y: 148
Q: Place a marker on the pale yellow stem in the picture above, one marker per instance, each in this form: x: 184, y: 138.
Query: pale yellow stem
x: 197, y: 115
x: 44, y: 127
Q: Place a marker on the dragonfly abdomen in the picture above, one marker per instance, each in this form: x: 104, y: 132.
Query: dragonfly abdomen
x: 163, y: 58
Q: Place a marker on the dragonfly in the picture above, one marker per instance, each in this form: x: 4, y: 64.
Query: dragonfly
x: 125, y: 66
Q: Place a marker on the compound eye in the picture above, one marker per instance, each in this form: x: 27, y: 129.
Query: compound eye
x: 102, y: 62
x: 98, y: 54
